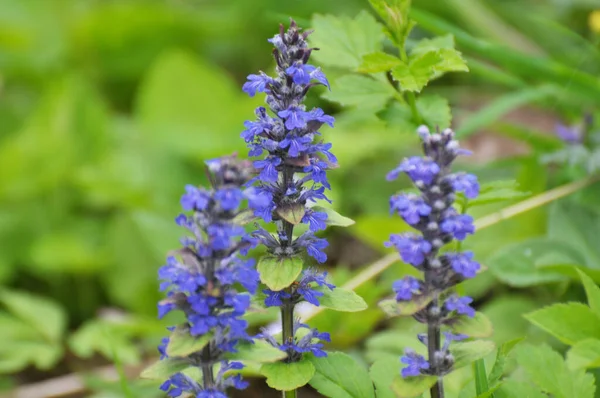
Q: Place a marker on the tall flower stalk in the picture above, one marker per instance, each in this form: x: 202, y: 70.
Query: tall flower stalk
x: 293, y: 164
x: 432, y: 213
x: 200, y: 280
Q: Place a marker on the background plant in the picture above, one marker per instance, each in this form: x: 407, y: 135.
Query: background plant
x: 130, y: 109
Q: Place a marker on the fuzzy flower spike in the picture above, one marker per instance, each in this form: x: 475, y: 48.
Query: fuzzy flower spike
x: 438, y: 223
x: 201, y: 278
x: 293, y: 162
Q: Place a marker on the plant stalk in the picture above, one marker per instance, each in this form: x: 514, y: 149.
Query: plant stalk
x: 208, y: 378
x: 287, y: 326
x: 433, y: 345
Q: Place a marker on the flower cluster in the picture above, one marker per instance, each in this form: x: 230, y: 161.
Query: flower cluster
x: 292, y: 166
x: 311, y: 341
x: 200, y: 277
x: 438, y: 222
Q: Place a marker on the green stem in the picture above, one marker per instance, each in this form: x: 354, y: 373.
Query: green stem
x: 287, y: 326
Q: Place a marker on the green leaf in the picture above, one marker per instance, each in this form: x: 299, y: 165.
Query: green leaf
x: 357, y: 90
x: 570, y: 322
x: 288, y: 376
x: 451, y: 61
x: 501, y: 355
x: 260, y: 351
x: 106, y: 337
x: 549, y: 372
x: 437, y: 43
x: 382, y: 373
x: 333, y: 217
x: 340, y: 299
x: 182, y: 343
x: 403, y: 308
x: 378, y: 62
x: 416, y: 74
x: 479, y: 326
x: 578, y: 227
x: 592, y: 291
x: 520, y: 264
x: 42, y: 314
x: 343, y: 41
x: 435, y: 110
x: 18, y: 355
x: 518, y: 389
x: 292, y: 213
x: 163, y: 369
x: 410, y: 387
x: 339, y: 375
x: 180, y: 103
x: 498, y: 191
x: 584, y: 354
x: 279, y: 272
x: 481, y: 381
x: 470, y: 351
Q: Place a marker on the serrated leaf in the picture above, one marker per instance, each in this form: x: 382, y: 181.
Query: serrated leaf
x: 498, y: 191
x: 291, y: 213
x: 288, y: 376
x: 435, y: 111
x: 416, y: 74
x: 357, y: 90
x: 592, y: 292
x: 343, y: 41
x: 378, y: 62
x: 339, y: 375
x: 549, y: 372
x: 450, y: 61
x: 519, y: 264
x: 410, y: 387
x: 333, y: 217
x: 164, y: 368
x: 437, y: 43
x: 340, y: 299
x: 479, y: 326
x: 470, y: 351
x: 502, y: 353
x: 382, y: 373
x: 182, y: 343
x: 41, y: 313
x: 584, y: 355
x: 260, y: 351
x: 279, y: 272
x: 403, y: 308
x: 570, y: 322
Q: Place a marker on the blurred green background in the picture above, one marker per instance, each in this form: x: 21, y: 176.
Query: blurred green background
x: 108, y: 108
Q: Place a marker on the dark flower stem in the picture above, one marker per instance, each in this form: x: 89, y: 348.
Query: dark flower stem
x: 207, y: 369
x: 287, y: 323
x: 434, y: 341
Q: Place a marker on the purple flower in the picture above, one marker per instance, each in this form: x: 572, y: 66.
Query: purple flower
x: 458, y: 225
x: 296, y: 144
x: 257, y: 83
x: 421, y: 170
x: 269, y: 168
x: 414, y: 363
x: 318, y: 115
x: 316, y: 220
x: 318, y: 172
x: 229, y: 198
x: 463, y: 182
x: 194, y: 198
x: 570, y: 135
x: 307, y: 292
x: 410, y: 207
x: 412, y: 248
x: 463, y: 264
x: 406, y: 288
x: 273, y: 299
x: 460, y: 305
x: 303, y: 74
x: 295, y: 117
x: 314, y: 246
